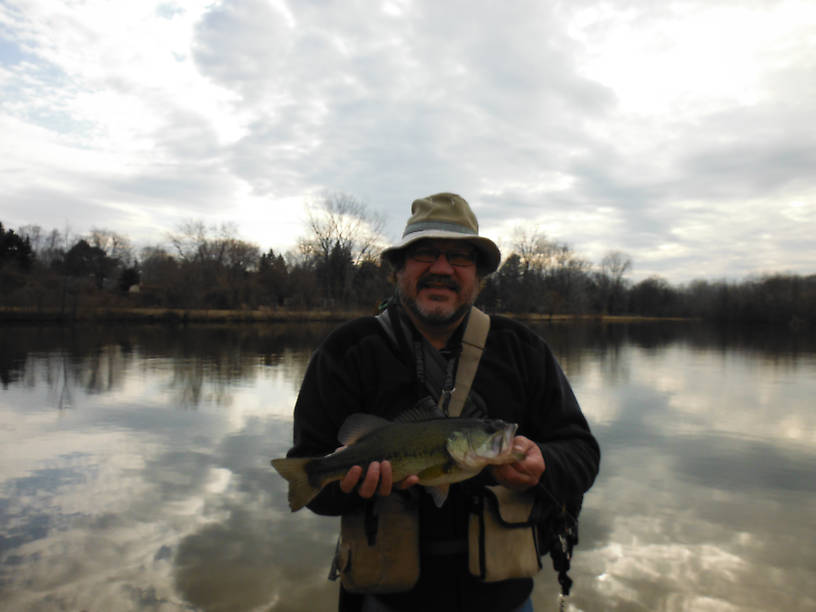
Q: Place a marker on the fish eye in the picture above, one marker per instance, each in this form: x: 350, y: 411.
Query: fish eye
x: 495, y: 425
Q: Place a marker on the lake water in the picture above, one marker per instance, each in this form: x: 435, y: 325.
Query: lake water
x: 134, y: 470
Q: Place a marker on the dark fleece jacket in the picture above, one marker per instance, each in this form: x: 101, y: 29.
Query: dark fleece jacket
x: 358, y: 368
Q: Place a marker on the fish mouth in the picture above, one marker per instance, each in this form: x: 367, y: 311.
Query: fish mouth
x: 508, y: 435
x: 502, y: 440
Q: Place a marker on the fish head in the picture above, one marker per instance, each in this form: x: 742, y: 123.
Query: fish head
x: 482, y: 442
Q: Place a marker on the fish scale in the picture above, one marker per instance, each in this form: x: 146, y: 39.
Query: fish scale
x: 439, y: 450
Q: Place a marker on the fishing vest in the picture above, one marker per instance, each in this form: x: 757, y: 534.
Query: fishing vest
x: 378, y: 550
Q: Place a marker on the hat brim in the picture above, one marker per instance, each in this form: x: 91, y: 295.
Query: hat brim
x: 490, y: 254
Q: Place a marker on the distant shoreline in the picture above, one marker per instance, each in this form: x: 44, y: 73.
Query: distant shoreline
x: 261, y: 315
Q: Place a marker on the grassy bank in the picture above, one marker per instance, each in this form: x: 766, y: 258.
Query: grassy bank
x: 168, y: 315
x: 590, y: 317
x: 261, y: 315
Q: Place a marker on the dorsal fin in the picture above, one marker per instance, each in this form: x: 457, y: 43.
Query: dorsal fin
x: 421, y: 411
x: 358, y: 425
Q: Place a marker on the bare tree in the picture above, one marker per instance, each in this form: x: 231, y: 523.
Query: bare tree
x: 614, y: 266
x: 341, y: 221
x: 343, y: 234
x: 534, y: 249
x: 541, y: 255
x: 551, y: 277
x: 48, y: 248
x: 158, y: 267
x: 114, y: 245
x: 217, y: 245
x: 215, y: 262
x: 35, y: 236
x: 189, y: 240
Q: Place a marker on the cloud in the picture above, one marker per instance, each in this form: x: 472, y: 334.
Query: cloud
x: 609, y: 127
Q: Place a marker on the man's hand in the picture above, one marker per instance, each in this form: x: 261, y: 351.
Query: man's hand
x: 525, y: 473
x: 378, y: 479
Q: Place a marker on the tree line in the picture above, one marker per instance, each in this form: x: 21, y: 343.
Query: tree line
x: 336, y: 267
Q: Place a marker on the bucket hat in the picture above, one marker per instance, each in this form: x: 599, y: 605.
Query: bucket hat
x: 448, y: 216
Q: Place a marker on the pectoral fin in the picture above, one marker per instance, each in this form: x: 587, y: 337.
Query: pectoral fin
x: 439, y: 494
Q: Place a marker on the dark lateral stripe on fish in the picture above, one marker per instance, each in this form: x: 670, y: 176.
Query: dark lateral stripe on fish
x: 440, y: 451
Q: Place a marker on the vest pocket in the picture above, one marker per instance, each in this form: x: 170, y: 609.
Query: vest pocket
x: 502, y: 538
x: 378, y: 548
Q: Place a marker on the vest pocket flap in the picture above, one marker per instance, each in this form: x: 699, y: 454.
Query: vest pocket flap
x: 501, y: 537
x: 513, y: 508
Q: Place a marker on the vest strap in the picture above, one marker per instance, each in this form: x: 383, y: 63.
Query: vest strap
x: 473, y: 344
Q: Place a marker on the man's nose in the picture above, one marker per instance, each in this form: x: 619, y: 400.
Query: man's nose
x: 441, y: 265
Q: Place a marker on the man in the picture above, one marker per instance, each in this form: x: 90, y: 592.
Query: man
x: 384, y: 365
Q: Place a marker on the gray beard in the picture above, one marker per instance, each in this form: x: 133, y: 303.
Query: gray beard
x: 433, y: 319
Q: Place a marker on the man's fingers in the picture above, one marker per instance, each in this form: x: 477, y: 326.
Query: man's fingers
x: 372, y: 479
x: 350, y: 479
x: 386, y: 480
x: 524, y: 446
x: 524, y: 473
x: 514, y: 480
x: 510, y: 471
x: 378, y: 478
x: 408, y: 481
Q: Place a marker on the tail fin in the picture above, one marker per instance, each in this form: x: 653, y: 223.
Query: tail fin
x: 301, y: 491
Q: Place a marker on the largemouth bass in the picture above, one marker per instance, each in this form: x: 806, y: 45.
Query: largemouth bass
x: 438, y: 450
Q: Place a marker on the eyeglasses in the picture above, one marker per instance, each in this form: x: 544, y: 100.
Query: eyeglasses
x: 456, y: 257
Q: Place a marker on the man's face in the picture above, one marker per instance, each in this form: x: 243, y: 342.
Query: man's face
x: 438, y: 290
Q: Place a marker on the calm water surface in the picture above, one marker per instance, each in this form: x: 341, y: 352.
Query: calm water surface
x: 134, y: 470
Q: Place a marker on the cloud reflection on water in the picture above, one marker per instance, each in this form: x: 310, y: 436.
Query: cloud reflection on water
x: 712, y: 498
x: 154, y: 492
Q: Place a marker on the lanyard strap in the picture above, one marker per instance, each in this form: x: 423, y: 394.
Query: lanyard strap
x: 453, y: 394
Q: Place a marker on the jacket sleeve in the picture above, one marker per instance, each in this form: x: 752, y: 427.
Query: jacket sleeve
x: 328, y: 394
x: 571, y: 453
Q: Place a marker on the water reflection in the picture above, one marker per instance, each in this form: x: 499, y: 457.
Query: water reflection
x: 134, y: 470
x: 708, y: 449
x: 203, y: 362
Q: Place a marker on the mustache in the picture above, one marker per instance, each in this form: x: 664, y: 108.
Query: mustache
x: 436, y: 280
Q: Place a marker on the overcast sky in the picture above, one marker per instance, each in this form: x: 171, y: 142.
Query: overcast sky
x: 681, y: 133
